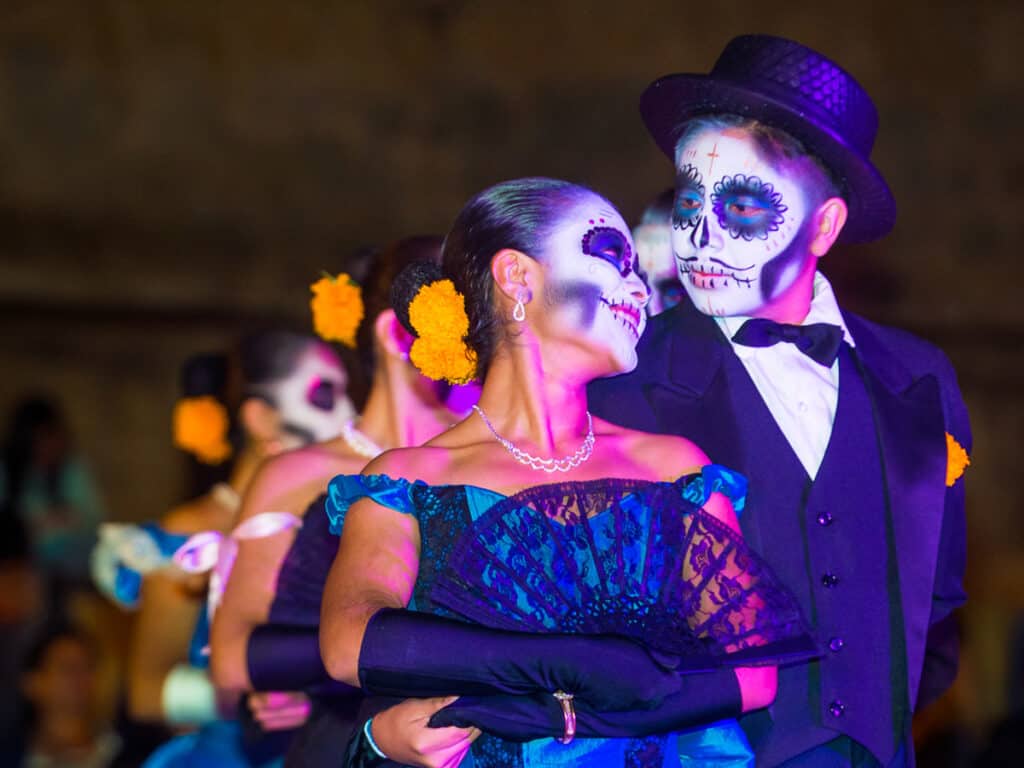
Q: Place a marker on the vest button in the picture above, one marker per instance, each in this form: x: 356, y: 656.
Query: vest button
x: 836, y: 708
x: 825, y: 518
x: 836, y: 644
x: 829, y: 580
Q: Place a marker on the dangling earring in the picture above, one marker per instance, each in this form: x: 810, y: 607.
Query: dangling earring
x: 519, y: 313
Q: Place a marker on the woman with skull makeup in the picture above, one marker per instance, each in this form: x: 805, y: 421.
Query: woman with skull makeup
x: 276, y: 391
x: 591, y: 606
x: 264, y: 634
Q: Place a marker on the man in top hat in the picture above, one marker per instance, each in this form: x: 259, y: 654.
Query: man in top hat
x: 849, y: 432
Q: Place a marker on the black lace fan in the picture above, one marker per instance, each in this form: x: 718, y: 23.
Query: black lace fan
x: 629, y: 558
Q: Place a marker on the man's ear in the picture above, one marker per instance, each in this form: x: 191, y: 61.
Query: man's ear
x: 260, y: 420
x: 391, y: 335
x: 512, y: 271
x: 830, y: 217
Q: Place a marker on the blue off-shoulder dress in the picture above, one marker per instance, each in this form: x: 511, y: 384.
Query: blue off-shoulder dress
x: 563, y: 557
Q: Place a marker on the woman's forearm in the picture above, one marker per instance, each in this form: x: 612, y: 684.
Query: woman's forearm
x: 342, y: 627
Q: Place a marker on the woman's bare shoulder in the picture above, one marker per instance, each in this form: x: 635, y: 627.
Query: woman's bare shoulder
x: 669, y: 456
x: 429, y: 463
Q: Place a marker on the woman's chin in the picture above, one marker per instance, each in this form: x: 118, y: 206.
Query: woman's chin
x: 620, y: 361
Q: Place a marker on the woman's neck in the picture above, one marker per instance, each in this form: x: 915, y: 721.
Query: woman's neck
x: 530, y: 400
x: 246, y: 464
x: 399, y: 411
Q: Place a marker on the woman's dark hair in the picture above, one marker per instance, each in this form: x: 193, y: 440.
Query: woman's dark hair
x: 30, y: 418
x: 383, y: 268
x: 263, y: 358
x: 518, y: 214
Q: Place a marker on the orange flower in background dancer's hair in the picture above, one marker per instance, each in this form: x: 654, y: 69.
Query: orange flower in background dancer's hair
x: 438, y: 315
x: 337, y: 306
x: 957, y: 460
x: 201, y: 428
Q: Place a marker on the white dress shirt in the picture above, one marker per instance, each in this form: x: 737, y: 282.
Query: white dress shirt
x: 801, y: 394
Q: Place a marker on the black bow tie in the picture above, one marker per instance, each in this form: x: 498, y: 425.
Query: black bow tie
x: 819, y: 341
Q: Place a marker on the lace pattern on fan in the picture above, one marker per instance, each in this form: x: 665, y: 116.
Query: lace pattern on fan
x: 624, y: 557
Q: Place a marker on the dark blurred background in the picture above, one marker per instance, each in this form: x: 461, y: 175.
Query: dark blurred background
x: 173, y: 172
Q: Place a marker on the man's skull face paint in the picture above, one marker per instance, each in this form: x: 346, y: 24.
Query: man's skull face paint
x: 654, y: 253
x: 312, y: 401
x: 738, y: 225
x: 593, y: 289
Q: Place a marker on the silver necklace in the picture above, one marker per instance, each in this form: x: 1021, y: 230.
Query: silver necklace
x: 583, y: 453
x: 359, y: 442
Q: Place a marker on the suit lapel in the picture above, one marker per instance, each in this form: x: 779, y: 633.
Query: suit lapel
x: 693, y: 400
x: 911, y: 437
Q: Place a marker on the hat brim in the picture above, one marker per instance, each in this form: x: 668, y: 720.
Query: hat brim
x: 668, y: 103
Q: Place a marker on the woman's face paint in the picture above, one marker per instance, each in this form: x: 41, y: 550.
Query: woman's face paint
x: 654, y: 253
x: 313, y: 402
x: 593, y: 291
x: 737, y: 225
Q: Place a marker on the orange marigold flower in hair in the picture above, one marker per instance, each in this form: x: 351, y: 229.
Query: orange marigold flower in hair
x: 957, y: 460
x: 338, y: 310
x: 438, y: 315
x: 201, y: 428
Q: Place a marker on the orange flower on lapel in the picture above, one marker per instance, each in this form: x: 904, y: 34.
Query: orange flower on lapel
x: 957, y: 460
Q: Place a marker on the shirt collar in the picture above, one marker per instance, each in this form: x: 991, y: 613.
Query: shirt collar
x: 824, y: 309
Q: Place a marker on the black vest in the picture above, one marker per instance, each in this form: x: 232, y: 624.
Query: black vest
x: 831, y: 542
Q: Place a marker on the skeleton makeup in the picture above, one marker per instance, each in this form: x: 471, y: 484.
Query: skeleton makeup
x: 312, y: 401
x: 739, y: 225
x: 593, y: 288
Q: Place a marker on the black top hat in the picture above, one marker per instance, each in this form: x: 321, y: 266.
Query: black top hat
x: 788, y: 86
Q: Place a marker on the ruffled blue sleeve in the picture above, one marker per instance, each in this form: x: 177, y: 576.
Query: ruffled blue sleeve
x: 716, y: 478
x: 346, y: 490
x: 125, y: 553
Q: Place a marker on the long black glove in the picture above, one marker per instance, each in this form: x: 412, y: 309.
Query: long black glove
x: 702, y: 699
x: 287, y: 658
x: 407, y: 653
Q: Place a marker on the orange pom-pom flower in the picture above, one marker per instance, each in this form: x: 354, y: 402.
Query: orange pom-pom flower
x: 338, y: 310
x: 201, y: 428
x: 957, y: 460
x: 438, y: 315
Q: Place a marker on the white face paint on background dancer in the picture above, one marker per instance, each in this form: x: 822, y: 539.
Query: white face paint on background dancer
x: 738, y: 225
x: 312, y: 401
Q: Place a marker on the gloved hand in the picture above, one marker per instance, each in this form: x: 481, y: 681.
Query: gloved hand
x: 702, y: 699
x: 407, y: 653
x: 287, y: 658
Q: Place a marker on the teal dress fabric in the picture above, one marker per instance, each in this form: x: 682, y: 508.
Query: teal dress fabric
x: 444, y: 513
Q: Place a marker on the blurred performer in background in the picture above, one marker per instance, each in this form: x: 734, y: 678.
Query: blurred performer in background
x: 59, y: 686
x: 45, y: 484
x: 653, y: 239
x: 852, y: 435
x: 277, y: 391
x: 264, y: 635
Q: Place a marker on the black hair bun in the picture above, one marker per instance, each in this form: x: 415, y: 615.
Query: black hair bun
x: 204, y: 375
x: 407, y: 284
